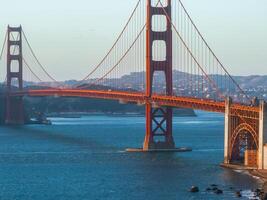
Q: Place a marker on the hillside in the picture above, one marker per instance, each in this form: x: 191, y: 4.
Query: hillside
x: 253, y: 85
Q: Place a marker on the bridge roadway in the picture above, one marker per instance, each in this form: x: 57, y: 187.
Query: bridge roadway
x: 250, y: 112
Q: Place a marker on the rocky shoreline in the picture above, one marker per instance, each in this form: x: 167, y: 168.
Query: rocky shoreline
x: 262, y: 174
x: 220, y: 190
x: 261, y: 192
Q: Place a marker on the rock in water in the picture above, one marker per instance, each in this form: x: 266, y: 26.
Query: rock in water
x: 218, y: 191
x: 214, y: 185
x: 238, y: 194
x: 263, y: 196
x: 194, y: 189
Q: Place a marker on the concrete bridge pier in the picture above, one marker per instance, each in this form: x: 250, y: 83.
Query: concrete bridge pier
x: 245, y: 136
x: 227, y: 129
x: 262, y: 153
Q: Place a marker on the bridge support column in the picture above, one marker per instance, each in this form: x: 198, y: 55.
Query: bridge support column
x: 244, y: 136
x: 14, y: 105
x: 262, y: 163
x: 227, y: 129
x: 158, y: 128
x: 158, y: 119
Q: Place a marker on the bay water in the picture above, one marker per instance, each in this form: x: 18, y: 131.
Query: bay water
x: 85, y: 158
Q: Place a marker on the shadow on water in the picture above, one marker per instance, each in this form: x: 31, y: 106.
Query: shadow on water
x: 55, y: 136
x: 155, y: 163
x: 166, y: 170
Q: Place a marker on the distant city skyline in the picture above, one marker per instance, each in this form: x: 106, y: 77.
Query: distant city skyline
x: 71, y: 37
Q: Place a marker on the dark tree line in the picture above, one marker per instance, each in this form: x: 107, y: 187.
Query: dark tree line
x: 34, y: 107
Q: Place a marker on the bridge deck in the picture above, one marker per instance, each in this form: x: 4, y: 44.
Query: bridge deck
x: 140, y: 98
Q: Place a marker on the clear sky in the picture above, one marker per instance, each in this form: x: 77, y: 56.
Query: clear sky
x: 71, y: 36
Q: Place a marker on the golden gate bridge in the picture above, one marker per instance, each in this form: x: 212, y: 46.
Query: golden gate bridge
x: 158, y: 38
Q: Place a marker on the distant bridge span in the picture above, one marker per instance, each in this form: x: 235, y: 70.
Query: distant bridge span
x: 250, y: 112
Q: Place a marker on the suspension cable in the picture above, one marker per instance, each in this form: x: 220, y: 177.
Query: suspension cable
x: 2, y: 51
x: 113, y: 46
x: 39, y: 63
x: 25, y: 62
x: 3, y: 47
x: 125, y: 54
x: 212, y: 52
x: 23, y: 59
x: 191, y: 54
x: 28, y: 66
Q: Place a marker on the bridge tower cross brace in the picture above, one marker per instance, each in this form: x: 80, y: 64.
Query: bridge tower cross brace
x: 14, y: 105
x: 158, y: 119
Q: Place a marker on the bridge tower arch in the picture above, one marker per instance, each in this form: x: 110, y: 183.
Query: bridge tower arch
x: 245, y: 133
x: 14, y: 105
x: 158, y: 119
x: 244, y: 138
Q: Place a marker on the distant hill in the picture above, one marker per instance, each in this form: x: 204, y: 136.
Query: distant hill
x: 254, y: 86
x: 249, y: 82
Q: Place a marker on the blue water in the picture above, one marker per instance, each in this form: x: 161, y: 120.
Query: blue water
x: 84, y: 158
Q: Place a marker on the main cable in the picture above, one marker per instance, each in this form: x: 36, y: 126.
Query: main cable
x: 3, y: 47
x: 191, y: 54
x: 217, y: 59
x: 37, y: 60
x: 112, y: 47
x: 101, y: 78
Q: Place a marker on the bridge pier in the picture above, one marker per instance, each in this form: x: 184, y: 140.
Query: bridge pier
x: 262, y: 158
x: 245, y: 136
x: 227, y: 129
x: 158, y: 127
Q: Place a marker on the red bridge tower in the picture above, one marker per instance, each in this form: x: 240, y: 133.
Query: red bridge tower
x: 14, y: 105
x: 158, y: 119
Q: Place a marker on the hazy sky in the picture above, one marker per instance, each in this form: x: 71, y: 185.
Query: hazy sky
x: 71, y: 36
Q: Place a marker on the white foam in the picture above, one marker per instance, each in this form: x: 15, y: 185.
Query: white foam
x: 249, y: 194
